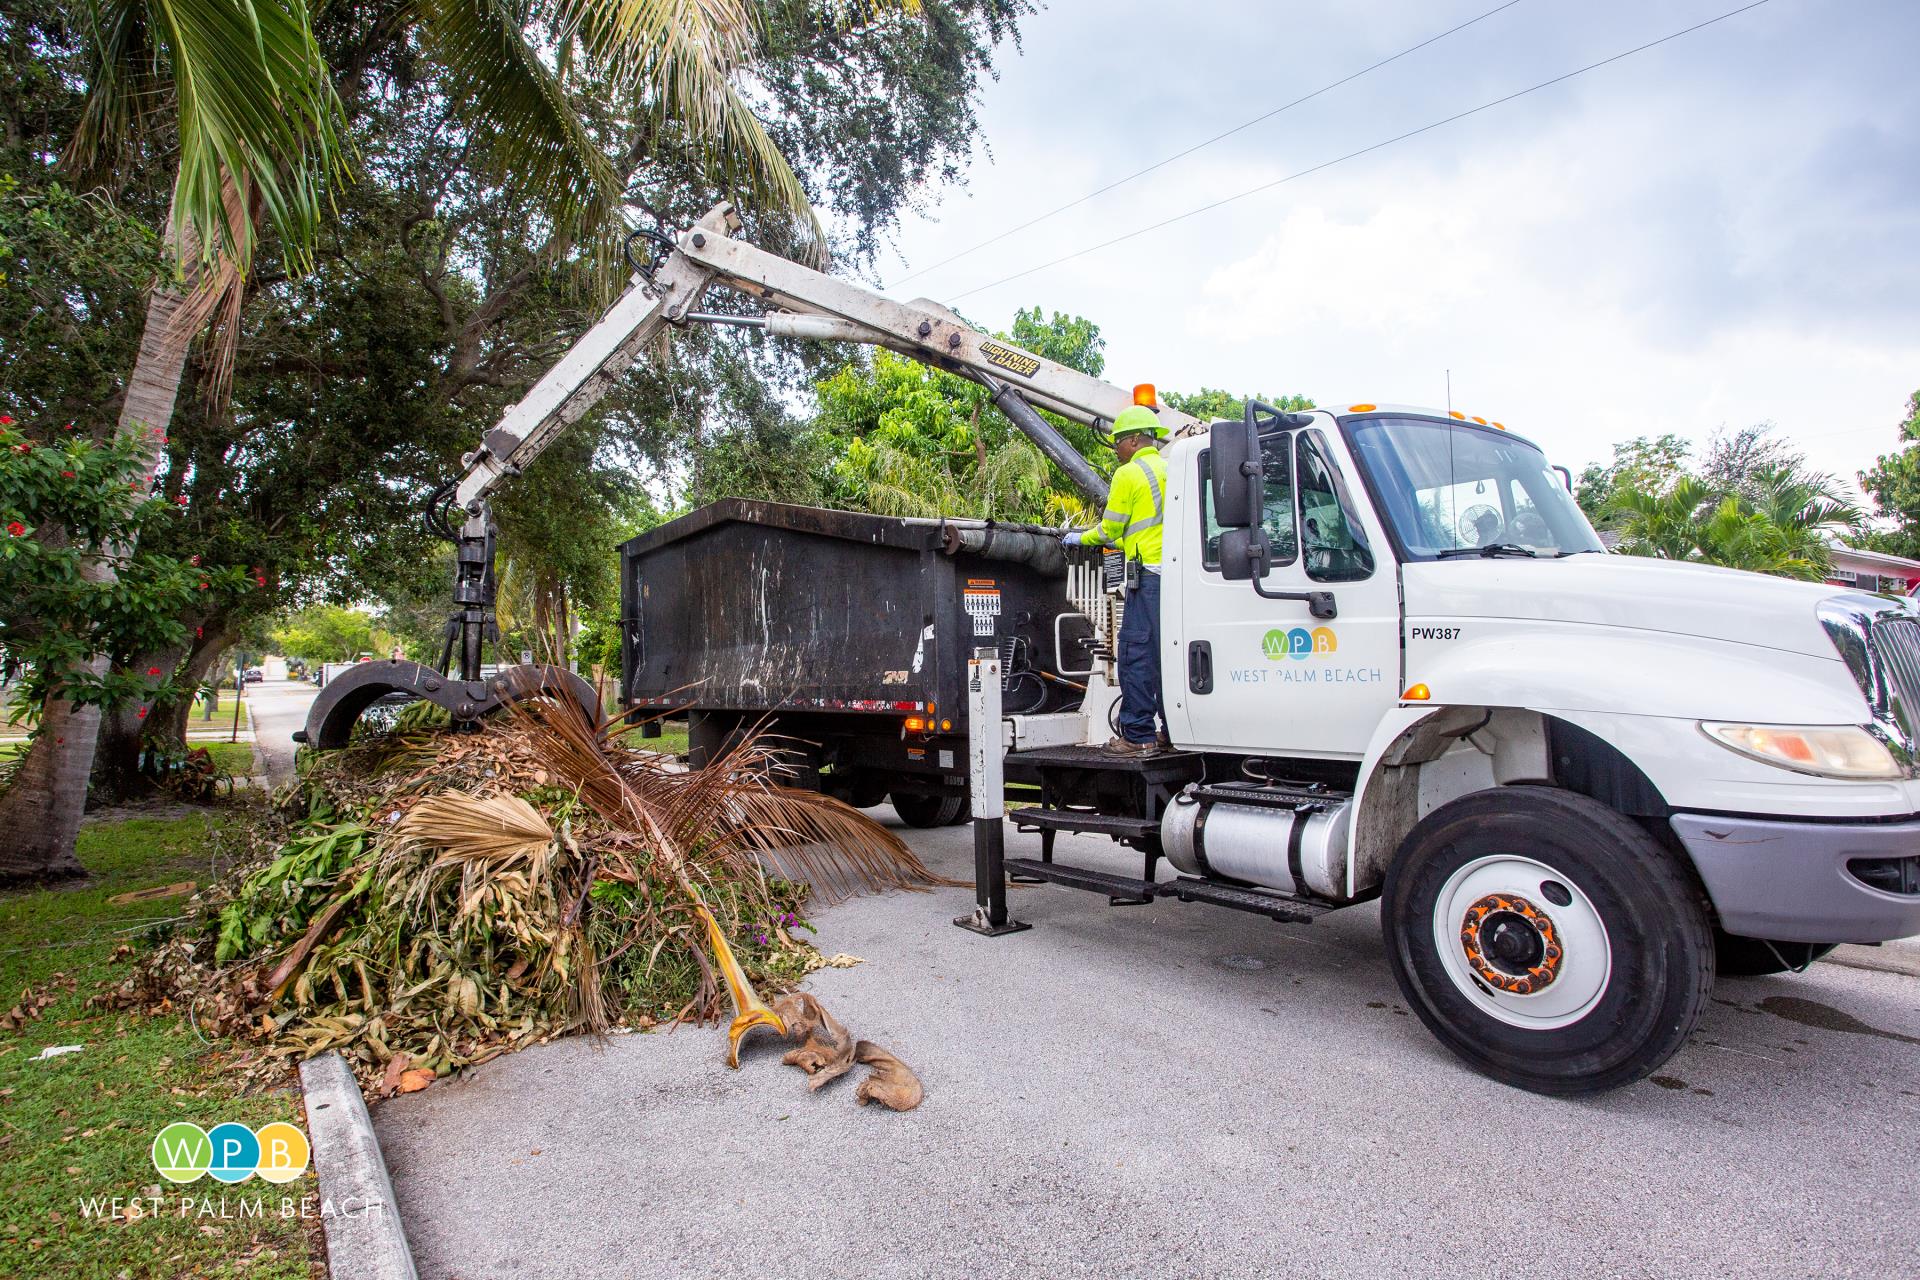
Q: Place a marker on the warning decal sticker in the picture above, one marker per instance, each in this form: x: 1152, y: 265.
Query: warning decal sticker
x: 1006, y: 358
x: 982, y: 600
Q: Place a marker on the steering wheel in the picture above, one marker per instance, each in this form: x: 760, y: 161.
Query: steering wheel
x: 1527, y: 527
x: 1480, y: 525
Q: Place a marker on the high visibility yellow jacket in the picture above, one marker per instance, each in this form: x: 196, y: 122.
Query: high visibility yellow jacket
x: 1136, y: 508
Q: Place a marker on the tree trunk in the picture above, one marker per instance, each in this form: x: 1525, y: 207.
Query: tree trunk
x: 40, y: 814
x: 124, y: 733
x: 206, y: 650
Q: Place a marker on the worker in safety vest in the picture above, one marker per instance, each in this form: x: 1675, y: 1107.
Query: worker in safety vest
x: 1136, y: 507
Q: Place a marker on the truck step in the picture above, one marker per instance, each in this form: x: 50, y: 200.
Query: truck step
x: 1273, y: 797
x: 1079, y: 820
x: 1263, y: 902
x: 1162, y: 765
x: 1081, y: 878
x: 1276, y: 906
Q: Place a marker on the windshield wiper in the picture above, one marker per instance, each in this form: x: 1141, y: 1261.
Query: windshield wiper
x: 1583, y: 551
x: 1487, y: 552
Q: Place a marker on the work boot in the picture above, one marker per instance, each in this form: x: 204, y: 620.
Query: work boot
x: 1122, y: 747
x: 1161, y: 742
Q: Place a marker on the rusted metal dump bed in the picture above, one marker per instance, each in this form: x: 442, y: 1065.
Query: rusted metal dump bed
x: 762, y: 607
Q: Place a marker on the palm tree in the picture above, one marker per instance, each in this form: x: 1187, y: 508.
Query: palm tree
x: 1785, y: 528
x: 241, y: 91
x: 1810, y: 510
x: 254, y: 120
x: 1662, y: 524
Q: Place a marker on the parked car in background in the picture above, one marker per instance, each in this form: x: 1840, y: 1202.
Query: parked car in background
x: 254, y: 675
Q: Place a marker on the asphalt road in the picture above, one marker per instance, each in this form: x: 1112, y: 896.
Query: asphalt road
x: 1171, y: 1090
x: 278, y: 707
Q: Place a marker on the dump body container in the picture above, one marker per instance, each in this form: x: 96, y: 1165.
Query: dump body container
x: 838, y: 627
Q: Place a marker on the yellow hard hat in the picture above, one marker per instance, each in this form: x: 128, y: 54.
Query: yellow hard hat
x: 1138, y: 418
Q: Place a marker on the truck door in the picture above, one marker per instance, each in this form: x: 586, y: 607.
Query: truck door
x: 1262, y: 675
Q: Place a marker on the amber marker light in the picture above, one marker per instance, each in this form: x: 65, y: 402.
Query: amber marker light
x: 1477, y: 418
x: 1455, y: 413
x: 1417, y: 693
x: 945, y: 725
x: 1360, y: 408
x: 1143, y: 394
x: 915, y: 724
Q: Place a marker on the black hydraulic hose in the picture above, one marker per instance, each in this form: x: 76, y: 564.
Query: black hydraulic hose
x: 1051, y: 442
x: 1041, y: 552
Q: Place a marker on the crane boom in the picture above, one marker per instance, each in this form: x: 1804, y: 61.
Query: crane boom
x: 803, y: 303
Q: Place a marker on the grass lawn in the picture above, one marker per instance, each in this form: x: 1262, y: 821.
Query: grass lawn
x: 222, y: 717
x: 233, y: 758
x: 672, y: 740
x: 82, y: 1125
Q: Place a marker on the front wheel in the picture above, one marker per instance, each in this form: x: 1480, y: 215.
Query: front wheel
x: 1547, y: 940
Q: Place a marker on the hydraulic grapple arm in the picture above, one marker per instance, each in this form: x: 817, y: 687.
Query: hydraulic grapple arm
x: 801, y: 303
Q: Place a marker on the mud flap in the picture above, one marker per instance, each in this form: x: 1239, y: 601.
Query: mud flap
x: 346, y: 697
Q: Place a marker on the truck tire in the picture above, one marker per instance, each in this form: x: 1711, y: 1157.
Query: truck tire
x: 708, y: 737
x: 1739, y: 957
x: 926, y: 812
x: 860, y: 788
x: 1547, y: 940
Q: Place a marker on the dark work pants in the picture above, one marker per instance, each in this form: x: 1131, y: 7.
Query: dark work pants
x: 1140, y: 662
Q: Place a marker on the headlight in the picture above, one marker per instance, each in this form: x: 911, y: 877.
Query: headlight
x: 1836, y: 751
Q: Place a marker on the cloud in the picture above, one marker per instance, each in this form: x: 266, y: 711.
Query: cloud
x: 1722, y: 231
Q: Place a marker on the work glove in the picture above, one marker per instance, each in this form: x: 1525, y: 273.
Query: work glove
x: 1070, y: 539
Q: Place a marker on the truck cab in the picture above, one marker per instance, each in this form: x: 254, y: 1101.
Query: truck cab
x: 1403, y: 665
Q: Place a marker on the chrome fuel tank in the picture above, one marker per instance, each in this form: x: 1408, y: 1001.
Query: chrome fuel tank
x: 1294, y: 850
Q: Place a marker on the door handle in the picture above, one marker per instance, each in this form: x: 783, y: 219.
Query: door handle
x: 1200, y: 667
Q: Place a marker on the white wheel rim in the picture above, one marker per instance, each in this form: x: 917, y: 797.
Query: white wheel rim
x: 1508, y: 907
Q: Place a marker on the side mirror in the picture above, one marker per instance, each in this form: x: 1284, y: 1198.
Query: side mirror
x: 1239, y: 480
x: 1243, y: 554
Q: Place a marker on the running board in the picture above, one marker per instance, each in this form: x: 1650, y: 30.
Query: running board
x: 1275, y: 906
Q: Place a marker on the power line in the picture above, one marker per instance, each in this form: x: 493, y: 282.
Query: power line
x: 1180, y: 155
x: 1354, y: 155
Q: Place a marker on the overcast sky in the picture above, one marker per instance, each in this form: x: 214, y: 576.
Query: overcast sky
x: 1720, y: 231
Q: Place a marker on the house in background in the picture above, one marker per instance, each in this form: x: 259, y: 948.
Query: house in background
x: 1873, y: 571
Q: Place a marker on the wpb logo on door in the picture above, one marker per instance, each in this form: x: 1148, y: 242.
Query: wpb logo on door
x: 1299, y: 643
x: 184, y: 1152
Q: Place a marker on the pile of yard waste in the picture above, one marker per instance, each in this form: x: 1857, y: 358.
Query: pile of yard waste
x: 450, y: 896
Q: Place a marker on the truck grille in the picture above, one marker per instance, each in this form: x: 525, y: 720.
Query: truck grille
x: 1896, y: 643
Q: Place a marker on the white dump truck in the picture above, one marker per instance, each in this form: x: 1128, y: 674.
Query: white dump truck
x: 1398, y: 665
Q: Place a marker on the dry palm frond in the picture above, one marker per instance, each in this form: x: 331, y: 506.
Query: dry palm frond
x: 732, y: 811
x: 504, y: 830
x: 730, y: 816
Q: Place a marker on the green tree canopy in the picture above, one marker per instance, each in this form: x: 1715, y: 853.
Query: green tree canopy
x: 1650, y: 465
x: 1893, y: 482
x: 328, y: 633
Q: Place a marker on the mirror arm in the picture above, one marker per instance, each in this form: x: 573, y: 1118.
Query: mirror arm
x: 1319, y: 603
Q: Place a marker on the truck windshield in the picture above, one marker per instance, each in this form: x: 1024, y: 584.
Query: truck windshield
x: 1450, y: 490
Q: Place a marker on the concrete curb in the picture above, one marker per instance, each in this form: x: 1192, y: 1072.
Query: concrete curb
x: 365, y: 1238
